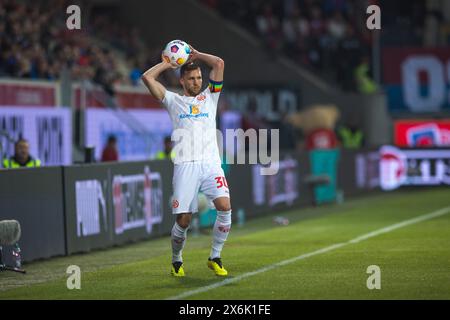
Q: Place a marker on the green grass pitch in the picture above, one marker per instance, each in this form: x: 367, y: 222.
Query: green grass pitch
x: 414, y: 259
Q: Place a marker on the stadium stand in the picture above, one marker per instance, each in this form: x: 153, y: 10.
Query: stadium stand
x: 35, y: 44
x: 324, y: 36
x: 328, y: 36
x: 301, y: 68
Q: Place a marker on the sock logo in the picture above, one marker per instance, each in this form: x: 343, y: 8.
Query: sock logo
x: 175, y: 204
x: 178, y: 240
x: 224, y: 229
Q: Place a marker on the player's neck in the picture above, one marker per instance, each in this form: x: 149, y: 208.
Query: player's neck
x: 186, y: 94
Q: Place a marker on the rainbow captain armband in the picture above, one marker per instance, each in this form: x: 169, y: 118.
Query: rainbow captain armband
x: 215, y: 86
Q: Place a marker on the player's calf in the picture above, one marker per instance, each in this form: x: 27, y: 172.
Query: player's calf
x: 221, y: 230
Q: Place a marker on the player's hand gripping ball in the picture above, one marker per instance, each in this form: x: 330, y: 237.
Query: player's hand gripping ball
x: 176, y: 53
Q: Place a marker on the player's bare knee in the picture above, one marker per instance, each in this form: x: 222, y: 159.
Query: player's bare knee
x: 184, y: 220
x: 184, y: 224
x: 223, y: 206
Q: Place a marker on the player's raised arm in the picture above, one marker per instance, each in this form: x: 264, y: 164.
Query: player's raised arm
x: 149, y: 78
x: 216, y: 63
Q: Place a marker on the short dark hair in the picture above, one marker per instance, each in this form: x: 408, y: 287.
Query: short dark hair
x: 112, y: 139
x: 21, y: 140
x: 188, y: 67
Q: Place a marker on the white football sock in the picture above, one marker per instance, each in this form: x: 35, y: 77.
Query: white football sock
x: 179, y: 235
x: 220, y: 231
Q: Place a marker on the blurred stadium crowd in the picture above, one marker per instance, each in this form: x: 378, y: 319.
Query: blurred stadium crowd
x: 327, y: 36
x: 324, y: 36
x: 348, y: 141
x: 35, y: 44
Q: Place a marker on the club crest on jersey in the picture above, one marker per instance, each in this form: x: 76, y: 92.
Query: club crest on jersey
x: 194, y: 112
x: 201, y: 97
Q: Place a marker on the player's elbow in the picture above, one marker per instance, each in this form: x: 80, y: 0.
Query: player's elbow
x: 219, y: 64
x: 144, y: 79
x: 147, y: 76
x: 147, y: 79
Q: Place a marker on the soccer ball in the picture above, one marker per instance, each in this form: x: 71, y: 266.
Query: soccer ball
x: 176, y: 52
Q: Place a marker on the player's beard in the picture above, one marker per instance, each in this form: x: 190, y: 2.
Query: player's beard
x: 193, y: 91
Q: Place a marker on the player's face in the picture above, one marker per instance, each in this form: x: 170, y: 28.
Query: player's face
x: 192, y: 82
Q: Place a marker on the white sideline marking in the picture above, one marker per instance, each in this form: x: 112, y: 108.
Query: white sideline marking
x: 366, y: 236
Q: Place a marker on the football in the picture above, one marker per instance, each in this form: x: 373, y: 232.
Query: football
x: 176, y: 52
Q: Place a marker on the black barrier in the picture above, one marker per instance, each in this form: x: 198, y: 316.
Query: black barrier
x: 84, y: 207
x: 154, y: 180
x: 260, y: 194
x: 86, y: 196
x: 115, y: 203
x: 358, y: 172
x: 34, y: 197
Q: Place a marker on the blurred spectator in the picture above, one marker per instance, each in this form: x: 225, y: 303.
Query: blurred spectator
x: 110, y: 152
x: 348, y: 55
x: 252, y: 119
x: 36, y: 44
x: 364, y: 82
x: 311, y: 32
x: 135, y: 73
x: 330, y: 6
x: 337, y: 26
x: 330, y: 36
x: 268, y: 26
x: 287, y: 134
x: 350, y: 136
x: 167, y: 153
x: 21, y: 157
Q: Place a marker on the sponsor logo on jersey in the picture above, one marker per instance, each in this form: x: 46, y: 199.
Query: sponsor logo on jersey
x: 194, y: 112
x: 194, y: 109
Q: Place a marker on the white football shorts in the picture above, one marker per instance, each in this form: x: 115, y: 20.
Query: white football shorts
x: 189, y: 178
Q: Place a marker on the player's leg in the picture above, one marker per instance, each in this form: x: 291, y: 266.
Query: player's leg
x: 215, y: 187
x: 185, y: 185
x: 178, y: 237
x: 221, y: 230
x: 221, y: 226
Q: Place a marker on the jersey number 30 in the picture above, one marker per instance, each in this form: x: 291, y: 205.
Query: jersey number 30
x: 221, y: 182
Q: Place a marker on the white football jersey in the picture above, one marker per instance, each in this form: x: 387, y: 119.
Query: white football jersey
x: 194, y: 125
